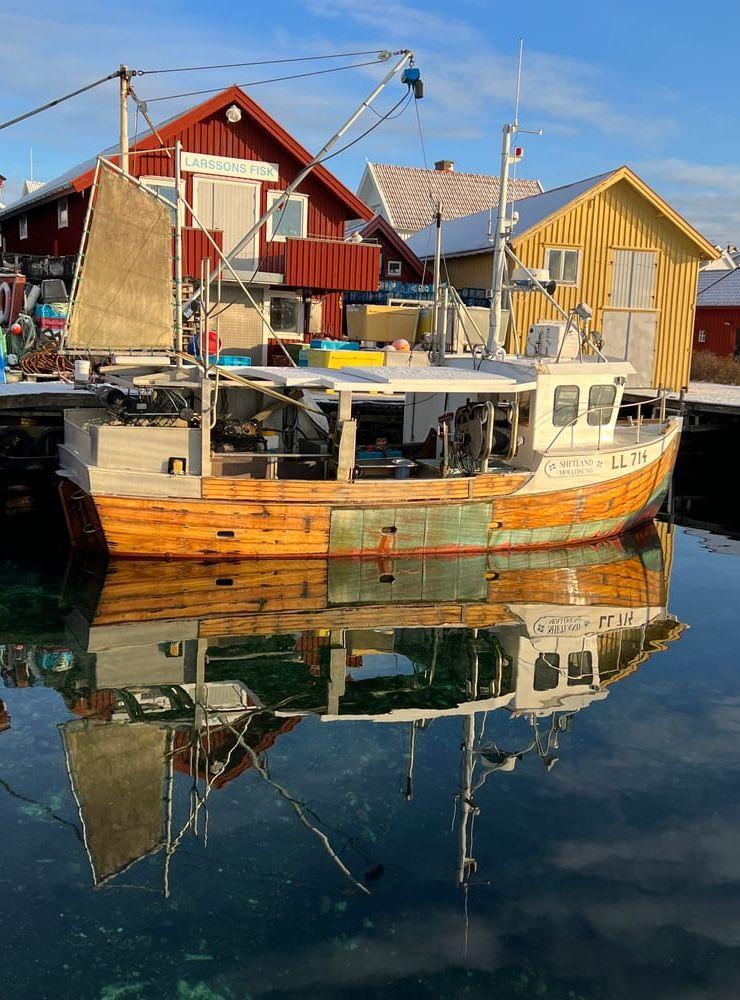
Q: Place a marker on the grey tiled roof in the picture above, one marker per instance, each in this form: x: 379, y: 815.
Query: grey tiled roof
x: 470, y: 234
x: 410, y: 193
x: 724, y: 290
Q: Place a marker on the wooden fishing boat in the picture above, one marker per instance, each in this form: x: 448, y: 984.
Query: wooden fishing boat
x: 533, y: 455
x: 188, y: 459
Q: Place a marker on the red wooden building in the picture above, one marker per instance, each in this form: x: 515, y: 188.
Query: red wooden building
x: 398, y: 262
x: 234, y: 166
x: 717, y: 322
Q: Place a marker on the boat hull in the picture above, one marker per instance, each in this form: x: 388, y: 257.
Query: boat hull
x: 257, y: 519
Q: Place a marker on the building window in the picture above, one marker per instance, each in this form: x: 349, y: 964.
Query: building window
x: 165, y: 188
x: 565, y: 405
x: 563, y: 265
x: 702, y: 338
x: 290, y: 219
x: 23, y: 227
x: 600, y: 404
x: 394, y: 268
x: 286, y: 314
x: 546, y: 671
x: 62, y: 213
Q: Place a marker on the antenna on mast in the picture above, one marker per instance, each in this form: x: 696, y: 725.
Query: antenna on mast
x: 505, y: 225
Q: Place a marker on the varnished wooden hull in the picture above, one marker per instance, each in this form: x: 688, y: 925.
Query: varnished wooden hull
x: 258, y: 519
x: 278, y: 596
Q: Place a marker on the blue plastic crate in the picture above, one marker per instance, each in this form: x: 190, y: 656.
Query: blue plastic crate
x: 234, y: 360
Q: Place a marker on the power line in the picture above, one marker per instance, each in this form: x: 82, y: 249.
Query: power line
x: 388, y: 116
x: 382, y: 57
x: 59, y: 100
x: 274, y: 79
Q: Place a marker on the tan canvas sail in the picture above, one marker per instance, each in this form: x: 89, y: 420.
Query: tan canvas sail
x: 124, y: 296
x: 118, y: 775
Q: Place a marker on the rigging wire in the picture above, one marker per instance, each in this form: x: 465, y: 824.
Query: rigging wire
x: 273, y: 79
x: 59, y: 100
x: 382, y: 56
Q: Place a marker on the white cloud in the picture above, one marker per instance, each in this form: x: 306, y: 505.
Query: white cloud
x: 708, y: 195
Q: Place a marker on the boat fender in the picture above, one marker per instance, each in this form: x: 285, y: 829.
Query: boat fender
x: 6, y: 302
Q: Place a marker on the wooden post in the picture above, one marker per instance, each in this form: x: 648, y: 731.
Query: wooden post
x: 346, y: 438
x: 337, y: 670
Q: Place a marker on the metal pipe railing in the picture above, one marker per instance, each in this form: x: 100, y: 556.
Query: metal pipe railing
x: 622, y: 406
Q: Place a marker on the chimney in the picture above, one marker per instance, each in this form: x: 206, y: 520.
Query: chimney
x: 446, y: 166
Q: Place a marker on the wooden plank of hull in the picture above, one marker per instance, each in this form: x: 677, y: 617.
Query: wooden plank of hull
x: 370, y: 616
x: 286, y: 594
x: 368, y: 492
x: 203, y: 528
x: 139, y: 590
x: 234, y: 528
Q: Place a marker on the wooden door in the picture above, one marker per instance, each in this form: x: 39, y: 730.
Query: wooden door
x: 233, y: 207
x: 630, y: 336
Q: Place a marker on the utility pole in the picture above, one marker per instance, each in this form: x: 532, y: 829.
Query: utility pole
x: 124, y: 75
x: 178, y: 252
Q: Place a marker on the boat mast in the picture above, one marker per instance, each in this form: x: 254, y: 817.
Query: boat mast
x: 438, y: 349
x: 504, y: 225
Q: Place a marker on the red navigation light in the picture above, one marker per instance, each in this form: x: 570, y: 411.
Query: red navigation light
x: 518, y: 151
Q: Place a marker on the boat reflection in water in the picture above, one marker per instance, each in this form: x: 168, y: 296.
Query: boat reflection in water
x: 198, y: 669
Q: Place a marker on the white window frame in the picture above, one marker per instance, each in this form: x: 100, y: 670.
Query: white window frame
x: 168, y: 182
x: 22, y: 227
x: 62, y: 213
x: 702, y: 337
x: 397, y: 265
x: 274, y: 196
x: 575, y: 250
x: 286, y: 334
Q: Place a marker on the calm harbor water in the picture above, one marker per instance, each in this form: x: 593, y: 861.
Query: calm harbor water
x: 474, y: 778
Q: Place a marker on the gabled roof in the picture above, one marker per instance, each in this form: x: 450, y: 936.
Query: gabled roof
x: 80, y: 177
x: 719, y: 288
x: 470, y: 234
x: 378, y: 226
x: 410, y: 193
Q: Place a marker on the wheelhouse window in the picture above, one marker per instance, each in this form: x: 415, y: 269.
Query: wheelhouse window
x: 546, y: 671
x: 601, y: 404
x: 394, y: 269
x: 290, y: 219
x: 580, y: 668
x: 562, y: 265
x: 23, y: 227
x: 565, y: 405
x: 62, y: 213
x: 165, y: 188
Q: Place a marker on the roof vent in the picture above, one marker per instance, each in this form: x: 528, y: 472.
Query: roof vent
x: 446, y: 166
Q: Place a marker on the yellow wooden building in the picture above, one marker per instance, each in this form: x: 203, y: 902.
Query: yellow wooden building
x: 610, y: 241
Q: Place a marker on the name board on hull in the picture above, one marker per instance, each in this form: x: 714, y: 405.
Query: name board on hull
x: 229, y: 166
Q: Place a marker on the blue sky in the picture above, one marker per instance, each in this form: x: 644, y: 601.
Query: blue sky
x: 649, y: 84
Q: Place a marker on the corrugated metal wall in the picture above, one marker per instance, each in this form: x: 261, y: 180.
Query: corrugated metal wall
x: 720, y: 325
x: 196, y: 247
x: 332, y: 265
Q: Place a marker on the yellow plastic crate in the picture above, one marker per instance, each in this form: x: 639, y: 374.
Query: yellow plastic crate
x: 318, y: 358
x: 382, y: 324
